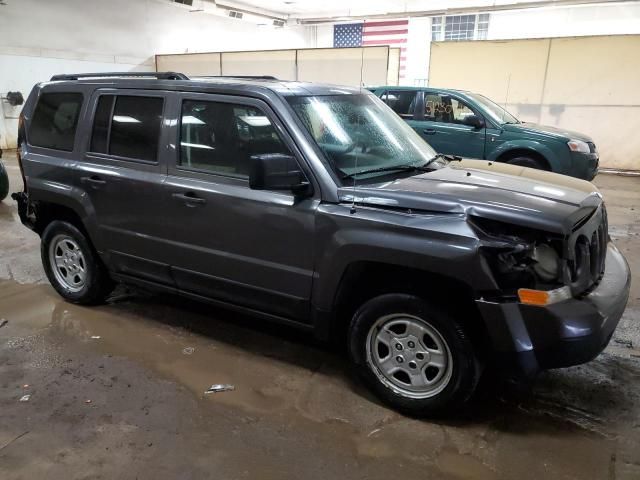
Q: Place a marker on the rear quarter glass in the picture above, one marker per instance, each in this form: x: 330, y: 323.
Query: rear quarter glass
x: 55, y: 120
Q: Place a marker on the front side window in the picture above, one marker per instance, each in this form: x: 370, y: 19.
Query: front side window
x: 359, y: 132
x: 221, y: 137
x: 401, y: 102
x: 127, y: 126
x: 445, y: 109
x: 493, y: 110
x: 55, y: 120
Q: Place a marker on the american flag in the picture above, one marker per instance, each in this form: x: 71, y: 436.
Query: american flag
x: 374, y: 33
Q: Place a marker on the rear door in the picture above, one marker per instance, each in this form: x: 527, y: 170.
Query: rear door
x: 443, y: 128
x: 122, y: 172
x: 406, y: 103
x: 253, y: 248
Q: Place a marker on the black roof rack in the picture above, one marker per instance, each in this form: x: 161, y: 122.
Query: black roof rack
x: 248, y: 77
x: 158, y: 75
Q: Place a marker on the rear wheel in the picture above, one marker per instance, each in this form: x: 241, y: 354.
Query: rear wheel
x: 4, y: 182
x: 528, y: 162
x: 415, y: 357
x: 72, y: 266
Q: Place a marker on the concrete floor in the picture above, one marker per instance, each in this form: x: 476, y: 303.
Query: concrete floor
x: 117, y: 392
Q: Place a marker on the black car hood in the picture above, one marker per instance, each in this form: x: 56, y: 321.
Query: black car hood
x: 507, y: 193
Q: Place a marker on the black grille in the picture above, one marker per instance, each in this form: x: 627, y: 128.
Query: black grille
x: 592, y: 147
x: 589, y: 252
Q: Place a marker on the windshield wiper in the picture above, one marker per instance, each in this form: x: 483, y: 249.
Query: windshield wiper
x: 450, y: 158
x: 391, y: 168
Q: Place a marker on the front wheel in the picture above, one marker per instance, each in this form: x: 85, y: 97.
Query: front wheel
x: 527, y: 162
x: 414, y: 356
x: 72, y: 265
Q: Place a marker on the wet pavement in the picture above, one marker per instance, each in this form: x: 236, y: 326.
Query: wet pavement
x: 118, y: 391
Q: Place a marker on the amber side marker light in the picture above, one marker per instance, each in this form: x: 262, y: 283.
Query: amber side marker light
x: 543, y: 297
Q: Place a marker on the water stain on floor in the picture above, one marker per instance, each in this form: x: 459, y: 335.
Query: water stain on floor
x: 118, y: 391
x: 568, y: 427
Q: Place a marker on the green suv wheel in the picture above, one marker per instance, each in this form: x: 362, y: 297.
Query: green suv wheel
x: 527, y: 162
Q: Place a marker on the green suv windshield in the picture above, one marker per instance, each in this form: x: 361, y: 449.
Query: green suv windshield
x: 359, y: 134
x: 495, y: 111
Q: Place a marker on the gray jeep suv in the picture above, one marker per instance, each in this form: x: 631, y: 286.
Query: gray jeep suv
x: 318, y: 207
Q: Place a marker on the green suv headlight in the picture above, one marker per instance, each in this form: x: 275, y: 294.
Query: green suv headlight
x: 578, y: 146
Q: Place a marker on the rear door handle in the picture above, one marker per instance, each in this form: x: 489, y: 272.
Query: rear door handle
x: 429, y: 131
x: 93, y: 180
x: 189, y: 198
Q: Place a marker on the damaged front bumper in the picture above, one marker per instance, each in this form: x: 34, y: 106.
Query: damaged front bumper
x: 528, y: 338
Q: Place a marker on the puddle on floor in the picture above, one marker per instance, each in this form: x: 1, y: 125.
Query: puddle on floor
x: 285, y: 377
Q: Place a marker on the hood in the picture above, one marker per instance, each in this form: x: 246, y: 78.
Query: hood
x: 508, y: 193
x: 546, y: 130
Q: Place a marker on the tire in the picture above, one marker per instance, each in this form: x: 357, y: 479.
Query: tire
x: 527, y: 162
x: 440, y: 339
x: 86, y: 280
x: 4, y: 182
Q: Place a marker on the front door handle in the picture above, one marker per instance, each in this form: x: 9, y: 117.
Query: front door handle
x: 93, y: 180
x: 429, y: 131
x: 189, y: 198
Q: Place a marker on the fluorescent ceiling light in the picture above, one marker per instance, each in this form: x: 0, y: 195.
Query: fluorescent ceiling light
x: 256, y: 121
x: 125, y: 119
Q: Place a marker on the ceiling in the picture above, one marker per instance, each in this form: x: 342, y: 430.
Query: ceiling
x: 326, y: 8
x: 336, y: 10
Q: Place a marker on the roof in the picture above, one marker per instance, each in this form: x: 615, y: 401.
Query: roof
x: 178, y: 81
x: 413, y: 88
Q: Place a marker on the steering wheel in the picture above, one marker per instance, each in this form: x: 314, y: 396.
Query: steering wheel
x: 359, y: 139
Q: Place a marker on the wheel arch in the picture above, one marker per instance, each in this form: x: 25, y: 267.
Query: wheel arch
x: 47, y: 212
x: 524, y: 152
x: 364, y: 280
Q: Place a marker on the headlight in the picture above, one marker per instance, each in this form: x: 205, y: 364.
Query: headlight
x: 520, y: 257
x: 578, y: 146
x: 547, y: 262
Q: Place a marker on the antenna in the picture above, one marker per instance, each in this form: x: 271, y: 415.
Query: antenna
x: 506, y: 97
x: 355, y: 167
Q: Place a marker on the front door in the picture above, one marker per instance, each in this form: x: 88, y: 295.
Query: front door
x: 253, y: 248
x: 443, y: 128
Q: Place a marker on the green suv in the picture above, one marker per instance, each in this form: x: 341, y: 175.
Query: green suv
x: 470, y: 125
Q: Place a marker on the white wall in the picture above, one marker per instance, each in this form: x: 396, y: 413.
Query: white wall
x: 545, y: 22
x: 579, y: 20
x: 418, y: 51
x: 41, y: 38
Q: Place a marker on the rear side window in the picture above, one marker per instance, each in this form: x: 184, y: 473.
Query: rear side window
x: 55, y: 120
x: 127, y: 126
x: 402, y: 102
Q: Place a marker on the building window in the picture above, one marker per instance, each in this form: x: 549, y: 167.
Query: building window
x: 436, y: 29
x: 482, y: 26
x: 460, y: 27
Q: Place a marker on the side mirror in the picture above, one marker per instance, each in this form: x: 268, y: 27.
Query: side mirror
x: 276, y: 171
x: 474, y: 121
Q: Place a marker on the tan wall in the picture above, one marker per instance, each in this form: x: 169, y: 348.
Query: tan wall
x: 340, y: 66
x: 586, y: 84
